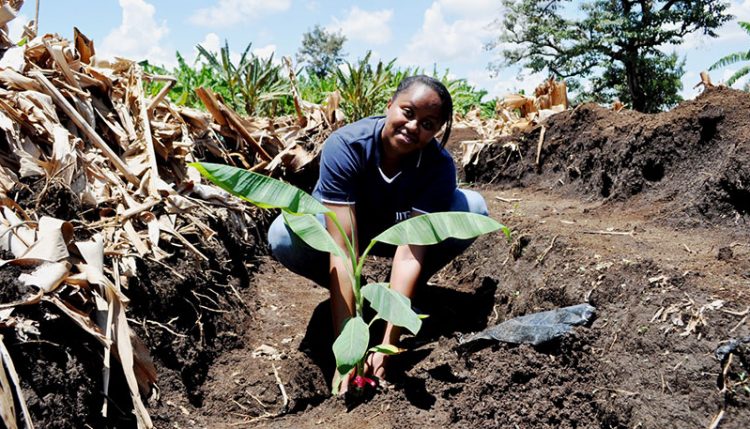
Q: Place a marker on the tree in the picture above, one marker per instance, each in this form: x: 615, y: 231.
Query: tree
x: 614, y: 44
x: 735, y: 58
x: 321, y: 50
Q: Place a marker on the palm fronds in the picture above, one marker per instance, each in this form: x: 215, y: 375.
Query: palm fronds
x: 734, y: 58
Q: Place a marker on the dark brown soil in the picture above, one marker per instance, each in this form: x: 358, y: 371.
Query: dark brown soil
x: 694, y: 159
x: 673, y: 185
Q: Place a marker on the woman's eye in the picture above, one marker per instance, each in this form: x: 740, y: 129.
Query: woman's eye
x: 428, y: 125
x: 408, y: 113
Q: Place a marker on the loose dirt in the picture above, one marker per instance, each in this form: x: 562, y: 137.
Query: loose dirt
x: 642, y: 216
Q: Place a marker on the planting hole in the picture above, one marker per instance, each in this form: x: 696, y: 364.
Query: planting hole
x: 653, y: 171
x: 606, y: 185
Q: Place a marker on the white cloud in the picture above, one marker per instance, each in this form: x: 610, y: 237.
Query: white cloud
x: 443, y: 40
x: 265, y: 52
x: 15, y: 27
x: 472, y: 9
x: 231, y: 12
x: 211, y: 43
x: 741, y: 10
x: 729, y: 33
x: 139, y: 35
x: 368, y: 26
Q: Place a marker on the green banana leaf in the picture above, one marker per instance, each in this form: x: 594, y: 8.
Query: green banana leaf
x: 433, y: 228
x: 386, y: 349
x: 351, y: 345
x: 263, y: 191
x: 311, y: 231
x: 392, y: 306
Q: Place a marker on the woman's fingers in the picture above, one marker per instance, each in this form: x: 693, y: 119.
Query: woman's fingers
x: 375, y: 365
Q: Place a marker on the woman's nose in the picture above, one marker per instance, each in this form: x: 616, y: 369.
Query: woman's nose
x: 412, y: 125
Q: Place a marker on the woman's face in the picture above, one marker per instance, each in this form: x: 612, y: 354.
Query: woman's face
x: 411, y: 120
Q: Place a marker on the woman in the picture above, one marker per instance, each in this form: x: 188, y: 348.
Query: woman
x: 374, y: 173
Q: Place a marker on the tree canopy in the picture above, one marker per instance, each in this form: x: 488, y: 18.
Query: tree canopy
x: 616, y: 45
x: 321, y: 51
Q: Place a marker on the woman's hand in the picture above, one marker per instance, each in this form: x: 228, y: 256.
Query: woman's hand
x: 359, y: 382
x: 375, y: 365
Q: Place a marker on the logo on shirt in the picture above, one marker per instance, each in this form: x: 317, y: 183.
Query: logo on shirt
x: 402, y: 215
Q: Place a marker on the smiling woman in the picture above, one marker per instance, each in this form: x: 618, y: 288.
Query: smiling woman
x: 375, y: 173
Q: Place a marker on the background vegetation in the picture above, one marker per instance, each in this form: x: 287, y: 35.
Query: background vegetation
x: 605, y: 51
x: 256, y: 86
x: 616, y: 46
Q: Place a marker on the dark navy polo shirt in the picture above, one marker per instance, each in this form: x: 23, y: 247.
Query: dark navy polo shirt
x: 350, y: 173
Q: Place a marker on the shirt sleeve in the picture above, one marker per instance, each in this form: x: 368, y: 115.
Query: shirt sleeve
x: 437, y: 193
x: 339, y: 168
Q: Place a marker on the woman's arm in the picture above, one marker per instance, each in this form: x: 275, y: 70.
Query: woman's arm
x: 342, y: 296
x: 407, y: 266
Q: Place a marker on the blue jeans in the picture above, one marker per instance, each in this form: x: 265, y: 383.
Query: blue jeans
x: 313, y: 264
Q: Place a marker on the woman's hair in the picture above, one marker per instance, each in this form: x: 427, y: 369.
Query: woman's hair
x: 445, y: 99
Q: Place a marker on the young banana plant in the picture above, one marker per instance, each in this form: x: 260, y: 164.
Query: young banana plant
x: 299, y: 211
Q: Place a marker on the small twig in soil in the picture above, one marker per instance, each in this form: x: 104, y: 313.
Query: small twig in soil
x: 213, y: 310
x: 742, y: 322
x: 165, y: 327
x: 539, y: 145
x: 725, y: 372
x: 717, y: 419
x: 657, y: 314
x: 614, y: 340
x: 284, y: 396
x: 541, y: 257
x: 249, y: 420
x: 630, y: 233
x: 237, y: 294
x: 738, y: 313
x: 508, y: 200
x: 687, y: 249
x: 244, y: 408
x: 620, y: 391
x: 200, y: 295
x: 679, y: 364
x: 495, y: 316
x: 198, y: 321
x: 470, y: 273
x: 262, y: 405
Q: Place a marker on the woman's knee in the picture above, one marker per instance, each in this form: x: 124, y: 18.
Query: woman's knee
x: 466, y: 200
x: 278, y: 236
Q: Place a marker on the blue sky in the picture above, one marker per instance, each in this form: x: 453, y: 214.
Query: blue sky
x: 446, y: 33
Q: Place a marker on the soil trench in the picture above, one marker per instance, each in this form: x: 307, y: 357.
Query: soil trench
x: 643, y: 361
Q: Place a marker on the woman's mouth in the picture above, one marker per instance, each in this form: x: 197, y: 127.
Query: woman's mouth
x: 408, y: 138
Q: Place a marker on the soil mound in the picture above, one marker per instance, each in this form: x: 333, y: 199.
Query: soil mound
x: 695, y: 157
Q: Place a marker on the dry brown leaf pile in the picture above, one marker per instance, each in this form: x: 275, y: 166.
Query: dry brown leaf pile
x: 514, y: 113
x: 85, y: 124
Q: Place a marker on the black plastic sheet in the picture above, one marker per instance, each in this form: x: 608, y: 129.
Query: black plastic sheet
x: 537, y: 328
x: 740, y: 346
